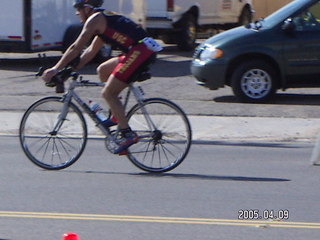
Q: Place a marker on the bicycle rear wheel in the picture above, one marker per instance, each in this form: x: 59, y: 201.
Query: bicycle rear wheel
x: 165, y: 135
x: 50, y: 141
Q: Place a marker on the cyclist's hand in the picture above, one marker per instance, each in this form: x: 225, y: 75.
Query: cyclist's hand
x: 48, y: 74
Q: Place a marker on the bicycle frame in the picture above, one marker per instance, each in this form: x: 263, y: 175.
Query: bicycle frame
x: 71, y: 94
x: 162, y: 127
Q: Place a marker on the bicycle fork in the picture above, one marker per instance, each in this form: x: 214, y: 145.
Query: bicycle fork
x: 138, y: 93
x: 62, y: 116
x: 155, y: 134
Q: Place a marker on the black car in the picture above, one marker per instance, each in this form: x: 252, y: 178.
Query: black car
x: 279, y: 52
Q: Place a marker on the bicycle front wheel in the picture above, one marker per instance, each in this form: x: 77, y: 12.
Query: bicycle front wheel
x: 164, y: 135
x: 50, y: 139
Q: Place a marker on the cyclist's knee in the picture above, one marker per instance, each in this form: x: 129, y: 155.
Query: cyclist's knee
x: 105, y: 93
x: 109, y: 93
x: 105, y: 69
x: 103, y: 73
x: 113, y: 88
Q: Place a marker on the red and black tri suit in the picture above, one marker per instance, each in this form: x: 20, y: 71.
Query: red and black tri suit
x: 121, y: 32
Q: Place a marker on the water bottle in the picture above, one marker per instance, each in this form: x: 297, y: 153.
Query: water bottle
x: 95, y: 107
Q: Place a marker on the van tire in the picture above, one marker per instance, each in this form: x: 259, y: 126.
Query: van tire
x: 188, y: 33
x: 254, y: 81
x: 71, y: 35
x: 245, y: 17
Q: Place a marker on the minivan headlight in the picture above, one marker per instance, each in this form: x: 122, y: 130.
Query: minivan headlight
x: 209, y: 53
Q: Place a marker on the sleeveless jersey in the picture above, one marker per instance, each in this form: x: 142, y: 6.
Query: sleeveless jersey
x: 122, y: 32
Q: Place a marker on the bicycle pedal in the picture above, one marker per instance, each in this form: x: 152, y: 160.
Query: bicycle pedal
x: 124, y: 152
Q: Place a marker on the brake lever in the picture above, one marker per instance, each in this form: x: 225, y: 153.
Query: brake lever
x: 74, y: 75
x: 43, y: 63
x: 40, y: 71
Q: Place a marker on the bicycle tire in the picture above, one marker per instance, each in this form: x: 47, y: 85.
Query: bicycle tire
x: 48, y: 149
x: 165, y: 145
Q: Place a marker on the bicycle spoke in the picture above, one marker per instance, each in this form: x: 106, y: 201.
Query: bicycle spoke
x: 48, y: 141
x: 146, y: 152
x: 55, y: 151
x: 170, y: 128
x: 164, y: 152
x: 46, y: 144
x: 61, y: 141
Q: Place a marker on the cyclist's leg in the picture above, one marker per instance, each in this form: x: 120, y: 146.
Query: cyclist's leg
x: 110, y: 93
x: 118, y: 71
x: 105, y: 69
x: 117, y: 81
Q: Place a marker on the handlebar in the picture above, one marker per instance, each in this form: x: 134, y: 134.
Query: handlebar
x: 59, y: 79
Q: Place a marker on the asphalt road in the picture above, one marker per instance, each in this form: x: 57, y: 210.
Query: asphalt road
x: 105, y: 197
x: 171, y: 79
x: 292, y: 115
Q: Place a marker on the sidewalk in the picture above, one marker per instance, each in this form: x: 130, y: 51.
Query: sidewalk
x: 212, y: 128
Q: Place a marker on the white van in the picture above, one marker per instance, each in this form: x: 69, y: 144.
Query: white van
x: 41, y: 25
x: 35, y: 25
x: 178, y: 21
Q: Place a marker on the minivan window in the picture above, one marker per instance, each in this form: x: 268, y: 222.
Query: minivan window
x: 283, y: 13
x: 308, y: 20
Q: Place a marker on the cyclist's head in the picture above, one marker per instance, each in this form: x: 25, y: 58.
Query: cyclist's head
x: 87, y: 3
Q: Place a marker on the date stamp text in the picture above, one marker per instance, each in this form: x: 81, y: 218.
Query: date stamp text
x: 255, y: 214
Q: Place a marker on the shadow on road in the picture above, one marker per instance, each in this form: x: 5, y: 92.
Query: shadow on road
x: 248, y: 144
x: 188, y: 176
x: 212, y: 177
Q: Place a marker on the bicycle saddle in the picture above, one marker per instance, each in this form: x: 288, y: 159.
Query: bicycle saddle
x: 144, y: 75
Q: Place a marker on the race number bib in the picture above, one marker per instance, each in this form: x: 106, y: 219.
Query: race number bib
x: 152, y: 44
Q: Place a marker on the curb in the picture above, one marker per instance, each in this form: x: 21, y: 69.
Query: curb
x: 214, y: 128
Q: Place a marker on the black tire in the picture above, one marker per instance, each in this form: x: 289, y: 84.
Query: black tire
x: 245, y: 17
x: 49, y: 149
x: 254, y: 81
x: 71, y: 35
x: 163, y: 146
x: 186, y: 38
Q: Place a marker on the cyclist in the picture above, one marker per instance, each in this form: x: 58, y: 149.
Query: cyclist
x: 121, y: 32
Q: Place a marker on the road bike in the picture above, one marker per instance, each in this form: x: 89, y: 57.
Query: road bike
x: 53, y: 131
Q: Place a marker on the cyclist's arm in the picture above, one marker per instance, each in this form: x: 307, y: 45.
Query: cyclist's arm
x: 93, y: 26
x: 90, y: 52
x: 75, y: 49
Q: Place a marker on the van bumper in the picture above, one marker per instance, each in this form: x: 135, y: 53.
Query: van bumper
x: 211, y: 75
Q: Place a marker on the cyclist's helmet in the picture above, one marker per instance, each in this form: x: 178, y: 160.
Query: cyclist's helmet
x: 83, y: 3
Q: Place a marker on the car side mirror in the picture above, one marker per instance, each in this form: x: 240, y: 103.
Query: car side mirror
x: 288, y: 26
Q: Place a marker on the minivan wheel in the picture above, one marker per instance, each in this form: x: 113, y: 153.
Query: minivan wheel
x: 245, y: 17
x: 187, y: 36
x: 254, y: 82
x: 71, y: 35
